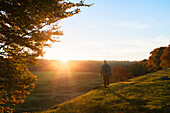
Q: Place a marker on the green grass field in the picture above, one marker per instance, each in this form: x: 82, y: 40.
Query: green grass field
x: 144, y: 94
x: 58, y: 87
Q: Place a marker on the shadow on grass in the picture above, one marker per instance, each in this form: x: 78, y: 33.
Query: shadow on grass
x: 137, y: 105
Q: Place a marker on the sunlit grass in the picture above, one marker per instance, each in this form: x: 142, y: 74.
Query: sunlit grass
x: 57, y: 87
x: 144, y: 94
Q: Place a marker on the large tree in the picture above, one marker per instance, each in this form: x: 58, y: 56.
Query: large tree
x: 22, y: 38
x: 154, y: 60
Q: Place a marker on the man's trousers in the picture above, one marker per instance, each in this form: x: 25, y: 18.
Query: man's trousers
x: 106, y: 80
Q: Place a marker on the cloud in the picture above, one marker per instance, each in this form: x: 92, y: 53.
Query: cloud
x: 128, y: 49
x: 136, y: 49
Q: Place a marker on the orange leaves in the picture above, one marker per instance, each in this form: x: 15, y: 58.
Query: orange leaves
x: 16, y: 80
x: 2, y: 100
x: 165, y: 58
x: 120, y: 73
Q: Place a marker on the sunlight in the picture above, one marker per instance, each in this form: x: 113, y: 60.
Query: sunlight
x: 64, y: 60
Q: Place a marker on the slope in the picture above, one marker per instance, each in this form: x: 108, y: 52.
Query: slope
x: 144, y: 94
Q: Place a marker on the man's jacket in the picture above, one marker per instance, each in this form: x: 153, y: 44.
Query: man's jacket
x: 106, y: 70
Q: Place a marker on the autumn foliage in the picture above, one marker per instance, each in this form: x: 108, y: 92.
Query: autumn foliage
x: 165, y: 58
x: 120, y: 73
x: 22, y: 39
x: 154, y: 61
x: 16, y: 82
x: 159, y: 58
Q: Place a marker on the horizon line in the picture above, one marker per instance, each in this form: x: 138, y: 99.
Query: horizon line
x: 90, y: 60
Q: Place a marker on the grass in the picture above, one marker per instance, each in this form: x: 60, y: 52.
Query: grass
x: 58, y: 87
x: 144, y: 94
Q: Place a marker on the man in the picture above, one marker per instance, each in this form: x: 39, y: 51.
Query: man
x: 106, y: 73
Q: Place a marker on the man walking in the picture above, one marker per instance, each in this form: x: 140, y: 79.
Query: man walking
x: 106, y: 73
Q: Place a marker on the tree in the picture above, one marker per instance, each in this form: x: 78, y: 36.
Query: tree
x: 154, y: 60
x: 120, y: 73
x: 15, y: 82
x: 165, y: 58
x: 22, y: 38
x: 138, y: 68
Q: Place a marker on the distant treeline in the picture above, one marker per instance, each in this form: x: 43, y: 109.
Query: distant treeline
x: 159, y: 59
x: 121, y: 70
x: 74, y: 65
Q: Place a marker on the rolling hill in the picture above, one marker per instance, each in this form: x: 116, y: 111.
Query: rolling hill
x: 144, y: 94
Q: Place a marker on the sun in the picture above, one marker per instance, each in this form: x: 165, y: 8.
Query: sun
x: 64, y: 60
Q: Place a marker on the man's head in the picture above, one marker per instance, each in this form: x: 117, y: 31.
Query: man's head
x: 105, y: 61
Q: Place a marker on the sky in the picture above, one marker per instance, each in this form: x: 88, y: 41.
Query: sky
x: 114, y: 30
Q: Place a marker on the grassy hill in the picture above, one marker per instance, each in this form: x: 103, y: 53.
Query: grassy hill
x: 58, y: 87
x: 144, y: 94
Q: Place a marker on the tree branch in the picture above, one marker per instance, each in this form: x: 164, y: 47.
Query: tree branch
x: 22, y: 36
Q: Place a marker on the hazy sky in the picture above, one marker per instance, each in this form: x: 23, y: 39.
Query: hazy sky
x: 114, y: 30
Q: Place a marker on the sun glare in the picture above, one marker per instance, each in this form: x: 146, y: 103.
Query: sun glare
x: 64, y: 60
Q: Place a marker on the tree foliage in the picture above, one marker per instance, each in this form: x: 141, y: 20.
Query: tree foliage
x: 160, y: 58
x: 154, y: 60
x: 15, y: 83
x: 120, y: 73
x: 165, y: 58
x: 138, y: 68
x: 22, y: 22
x: 22, y: 38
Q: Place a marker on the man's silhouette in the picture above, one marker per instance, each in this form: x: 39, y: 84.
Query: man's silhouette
x: 106, y: 73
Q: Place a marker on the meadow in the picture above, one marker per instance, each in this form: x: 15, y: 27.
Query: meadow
x: 59, y: 82
x: 58, y: 87
x: 143, y: 94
